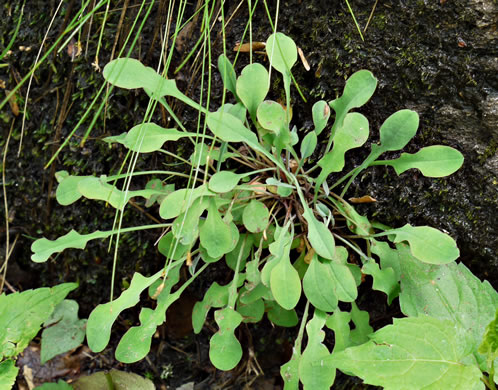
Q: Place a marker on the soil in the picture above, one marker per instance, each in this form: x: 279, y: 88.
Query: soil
x: 439, y: 58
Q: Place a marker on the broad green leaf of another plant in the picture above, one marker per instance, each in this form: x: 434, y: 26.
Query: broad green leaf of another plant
x: 252, y: 87
x: 43, y: 248
x: 256, y: 216
x: 448, y: 292
x: 147, y: 137
x: 427, y: 244
x: 225, y: 350
x: 8, y: 374
x: 489, y: 345
x: 101, y: 319
x: 432, y: 161
x: 215, y: 235
x: 224, y: 181
x: 319, y: 236
x: 229, y: 128
x: 312, y: 372
x: 22, y: 314
x: 227, y: 72
x: 135, y: 343
x: 63, y: 331
x: 215, y: 296
x: 413, y: 353
x: 285, y: 284
x: 321, y: 115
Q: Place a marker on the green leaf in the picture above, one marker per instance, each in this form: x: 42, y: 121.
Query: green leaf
x: 148, y: 137
x: 227, y: 72
x: 398, y: 130
x: 114, y: 379
x: 318, y: 286
x: 384, y: 279
x: 225, y: 350
x: 252, y: 87
x: 427, y: 244
x: 224, y: 181
x: 308, y: 145
x: 180, y: 200
x: 98, y: 329
x: 171, y: 248
x: 215, y: 296
x: 272, y: 116
x: 285, y: 283
x: 232, y: 257
x: 42, y: 248
x: 215, y: 235
x: 432, y: 161
x: 290, y: 373
x: 449, y: 292
x: 339, y: 323
x: 352, y: 134
x: 489, y: 345
x: 413, y: 353
x: 8, y: 374
x: 251, y: 312
x: 63, y: 331
x: 321, y: 115
x: 60, y: 385
x: 389, y: 257
x: 282, y: 52
x: 186, y: 226
x: 135, y: 343
x: 256, y: 216
x: 203, y: 151
x: 361, y: 321
x: 279, y: 316
x: 312, y: 372
x: 129, y: 73
x: 358, y: 90
x: 229, y: 128
x: 319, y: 236
x: 67, y: 191
x: 22, y: 314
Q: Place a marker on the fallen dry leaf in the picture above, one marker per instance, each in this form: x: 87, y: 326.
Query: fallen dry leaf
x: 246, y: 47
x: 303, y: 59
x: 363, y: 199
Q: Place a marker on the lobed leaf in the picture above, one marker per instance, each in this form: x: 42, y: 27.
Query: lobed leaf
x: 215, y: 296
x: 413, y: 353
x: 8, y: 374
x: 489, y: 345
x: 147, y: 137
x: 101, y: 319
x: 432, y: 161
x: 225, y: 350
x: 215, y: 235
x: 384, y: 279
x: 43, y: 248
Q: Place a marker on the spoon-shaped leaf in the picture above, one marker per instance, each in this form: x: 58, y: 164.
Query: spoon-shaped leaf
x: 398, y: 130
x: 318, y: 286
x: 227, y: 73
x: 98, y: 328
x: 215, y: 235
x: 308, y: 145
x: 178, y: 201
x: 432, y: 161
x: 319, y: 236
x: 252, y: 87
x: 229, y: 128
x: 427, y: 244
x: 272, y: 116
x: 67, y: 190
x: 285, y: 284
x: 321, y: 115
x: 224, y: 181
x: 282, y: 52
x: 255, y: 216
x: 225, y: 350
x: 147, y: 137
